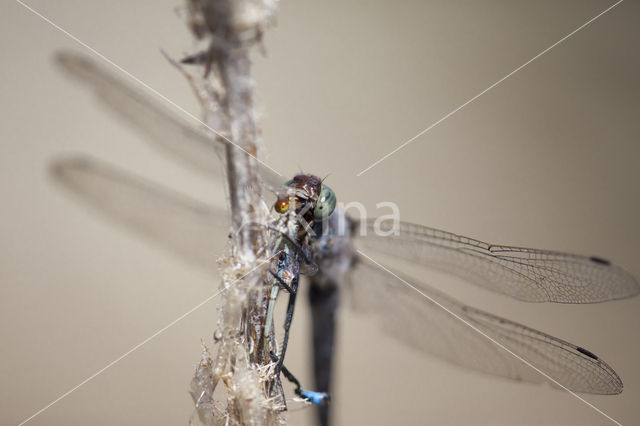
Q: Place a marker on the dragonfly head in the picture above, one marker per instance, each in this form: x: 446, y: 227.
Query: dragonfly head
x: 308, y: 197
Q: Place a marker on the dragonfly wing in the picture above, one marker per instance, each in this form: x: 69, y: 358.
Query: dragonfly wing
x: 200, y: 148
x: 192, y: 229
x: 526, y: 274
x: 457, y: 334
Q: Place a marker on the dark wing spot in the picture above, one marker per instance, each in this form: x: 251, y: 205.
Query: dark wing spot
x: 600, y: 260
x: 586, y: 352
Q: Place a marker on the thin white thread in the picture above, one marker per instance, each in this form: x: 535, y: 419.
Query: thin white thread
x: 136, y: 347
x: 359, y: 174
x: 487, y: 89
x: 500, y: 345
x: 140, y: 82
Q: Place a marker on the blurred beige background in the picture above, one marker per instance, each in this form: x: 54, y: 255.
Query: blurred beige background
x: 549, y: 159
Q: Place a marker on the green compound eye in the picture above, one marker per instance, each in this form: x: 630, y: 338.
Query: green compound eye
x: 326, y: 203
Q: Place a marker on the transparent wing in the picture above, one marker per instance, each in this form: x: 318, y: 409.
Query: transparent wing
x: 194, y: 230
x: 199, y: 148
x: 410, y: 316
x: 526, y: 274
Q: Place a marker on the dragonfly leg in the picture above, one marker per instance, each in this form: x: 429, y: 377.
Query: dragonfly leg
x: 300, y: 249
x: 281, y: 282
x: 311, y: 396
x: 272, y: 301
x: 288, y: 319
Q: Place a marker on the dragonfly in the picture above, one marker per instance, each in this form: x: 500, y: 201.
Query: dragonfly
x: 333, y: 249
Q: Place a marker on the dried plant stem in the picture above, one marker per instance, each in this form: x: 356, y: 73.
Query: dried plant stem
x: 242, y: 171
x: 231, y: 28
